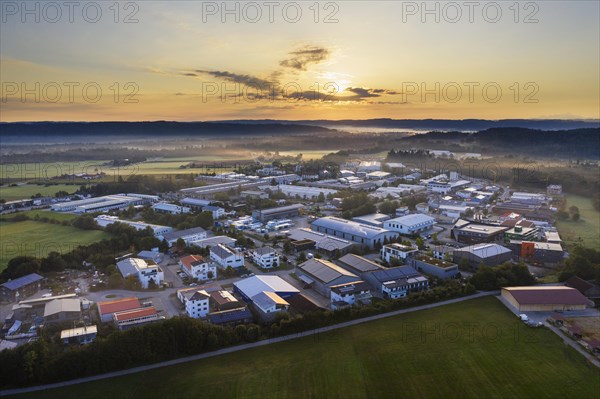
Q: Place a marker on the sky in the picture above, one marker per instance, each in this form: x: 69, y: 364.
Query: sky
x: 187, y: 60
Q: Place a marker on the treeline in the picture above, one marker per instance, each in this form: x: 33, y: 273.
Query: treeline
x: 181, y: 221
x: 130, y: 182
x: 582, y: 262
x: 45, y: 361
x: 506, y: 275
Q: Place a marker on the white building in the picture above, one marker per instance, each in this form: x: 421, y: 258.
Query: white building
x: 410, y: 224
x: 357, y: 232
x: 163, y: 207
x: 398, y: 251
x: 265, y: 257
x: 196, y: 302
x: 142, y: 270
x: 195, y: 203
x: 369, y: 166
x: 216, y: 211
x: 197, y: 267
x: 105, y: 203
x: 304, y: 192
x: 187, y: 235
x: 158, y: 230
x: 269, y: 302
x: 350, y: 294
x: 213, y: 241
x: 226, y: 256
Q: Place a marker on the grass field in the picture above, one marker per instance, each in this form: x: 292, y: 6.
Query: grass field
x: 474, y: 349
x: 8, y: 193
x: 38, y: 239
x: 585, y: 231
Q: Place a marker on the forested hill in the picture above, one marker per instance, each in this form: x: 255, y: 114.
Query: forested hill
x: 582, y: 143
x: 159, y: 128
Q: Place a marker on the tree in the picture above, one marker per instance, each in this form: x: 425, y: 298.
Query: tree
x: 321, y: 197
x: 152, y: 284
x: 180, y: 244
x: 420, y: 243
x: 301, y: 257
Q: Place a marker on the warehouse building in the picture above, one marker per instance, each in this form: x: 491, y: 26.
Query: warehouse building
x: 305, y: 239
x: 410, y: 224
x: 187, y: 235
x: 374, y: 219
x: 543, y: 252
x: 106, y: 309
x: 213, y: 241
x: 251, y: 286
x: 487, y: 254
x: 322, y: 275
x: 475, y: 233
x: 62, y: 311
x: 195, y: 203
x: 544, y: 298
x: 158, y: 230
x: 358, y: 265
x: 21, y: 287
x: 282, y: 212
x: 105, y: 203
x: 363, y: 234
x: 164, y: 207
x: 304, y: 192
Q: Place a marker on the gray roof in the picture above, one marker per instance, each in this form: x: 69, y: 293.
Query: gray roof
x: 323, y: 241
x: 484, y: 250
x: 350, y: 288
x: 253, y: 285
x: 174, y: 235
x: 395, y: 273
x: 62, y: 305
x: 286, y: 208
x: 192, y: 295
x: 324, y: 270
x: 214, y: 241
x: 359, y: 263
x: 223, y: 251
x: 22, y: 281
x: 263, y: 250
x: 349, y: 227
x: 413, y: 220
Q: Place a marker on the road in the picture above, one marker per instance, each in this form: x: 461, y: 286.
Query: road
x: 241, y: 347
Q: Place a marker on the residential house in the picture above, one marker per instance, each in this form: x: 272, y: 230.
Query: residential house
x: 226, y: 256
x: 265, y: 257
x: 195, y: 266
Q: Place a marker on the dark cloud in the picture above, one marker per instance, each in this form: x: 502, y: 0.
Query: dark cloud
x: 361, y: 92
x: 246, y: 80
x: 303, y: 57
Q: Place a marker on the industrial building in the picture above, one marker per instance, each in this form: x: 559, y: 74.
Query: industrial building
x: 164, y: 207
x: 64, y: 310
x: 474, y: 233
x: 305, y: 239
x: 360, y: 233
x: 487, y: 254
x: 215, y: 211
x: 544, y: 298
x: 158, y: 230
x: 251, y: 286
x: 195, y: 203
x: 281, y: 212
x: 304, y: 192
x: 187, y: 235
x: 374, y: 219
x: 322, y: 275
x: 433, y: 267
x: 213, y: 241
x: 105, y: 203
x: 21, y: 287
x: 106, y: 309
x: 410, y: 224
x: 358, y: 265
x: 542, y: 252
x: 397, y: 282
x: 136, y: 317
x: 80, y: 335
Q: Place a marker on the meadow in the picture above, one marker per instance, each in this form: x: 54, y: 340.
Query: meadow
x: 37, y: 239
x: 586, y: 230
x: 25, y: 191
x: 473, y: 349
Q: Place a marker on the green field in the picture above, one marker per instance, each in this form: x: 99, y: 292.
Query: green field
x: 473, y: 349
x: 9, y: 193
x: 38, y: 239
x: 586, y: 230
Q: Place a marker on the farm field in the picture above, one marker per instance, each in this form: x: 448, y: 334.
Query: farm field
x: 38, y: 239
x: 586, y: 230
x: 473, y: 349
x: 9, y: 193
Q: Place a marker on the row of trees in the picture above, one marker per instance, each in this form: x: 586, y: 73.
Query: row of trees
x: 45, y: 361
x: 508, y: 274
